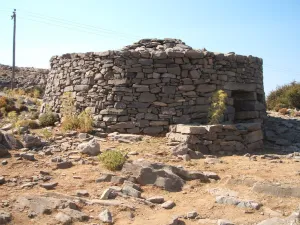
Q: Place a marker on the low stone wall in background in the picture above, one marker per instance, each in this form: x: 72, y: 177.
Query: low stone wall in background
x: 25, y: 77
x: 219, y: 139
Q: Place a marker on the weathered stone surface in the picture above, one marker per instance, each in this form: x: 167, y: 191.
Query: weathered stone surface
x: 223, y: 139
x: 5, y: 217
x: 91, y: 148
x: 30, y: 141
x: 3, y: 151
x: 277, y: 190
x: 106, y: 216
x: 169, y: 79
x: 63, y: 218
x: 168, y: 205
x: 156, y: 199
x: 75, y: 215
x: 39, y: 204
x: 168, y: 177
x: 127, y: 190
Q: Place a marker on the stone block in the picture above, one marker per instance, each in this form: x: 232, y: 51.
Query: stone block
x: 190, y: 129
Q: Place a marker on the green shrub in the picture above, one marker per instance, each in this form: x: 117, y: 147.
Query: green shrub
x: 284, y: 96
x: 48, y: 119
x: 46, y: 134
x: 82, y: 122
x: 27, y: 123
x: 71, y: 120
x: 12, y: 117
x: 218, y: 107
x: 112, y: 160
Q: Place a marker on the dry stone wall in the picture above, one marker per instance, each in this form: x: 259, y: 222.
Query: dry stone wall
x: 145, y: 87
x: 25, y: 77
x: 220, y: 139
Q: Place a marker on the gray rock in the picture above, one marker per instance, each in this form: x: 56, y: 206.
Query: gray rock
x: 106, y: 194
x: 2, y: 180
x: 39, y: 204
x: 104, y: 178
x: 229, y: 200
x: 82, y: 193
x: 3, y: 151
x: 83, y: 135
x: 64, y: 165
x: 170, y: 178
x: 49, y: 186
x: 91, y: 148
x: 5, y: 217
x: 224, y: 222
x: 192, y: 215
x: 106, y: 217
x: 10, y: 142
x: 168, y: 205
x: 276, y: 190
x: 63, y: 218
x: 156, y: 199
x: 128, y: 190
x: 181, y: 149
x: 31, y: 141
x: 28, y: 156
x: 75, y: 214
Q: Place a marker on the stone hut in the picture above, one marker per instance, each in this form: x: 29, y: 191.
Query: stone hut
x: 154, y: 83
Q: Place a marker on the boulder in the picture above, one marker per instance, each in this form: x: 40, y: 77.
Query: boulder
x: 31, y: 141
x: 170, y: 178
x: 9, y: 141
x: 5, y: 217
x: 106, y: 217
x: 3, y: 151
x: 91, y: 148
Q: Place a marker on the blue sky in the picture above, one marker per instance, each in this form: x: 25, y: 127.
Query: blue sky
x: 263, y: 28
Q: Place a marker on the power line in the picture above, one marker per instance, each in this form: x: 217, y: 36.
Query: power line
x: 75, y: 28
x: 73, y: 23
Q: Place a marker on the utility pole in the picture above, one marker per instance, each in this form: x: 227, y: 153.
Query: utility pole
x: 14, y: 49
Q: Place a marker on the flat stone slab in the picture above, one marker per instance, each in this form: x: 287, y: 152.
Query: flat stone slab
x: 124, y: 137
x: 277, y: 190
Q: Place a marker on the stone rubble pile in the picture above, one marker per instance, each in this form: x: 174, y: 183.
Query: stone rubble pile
x: 217, y: 139
x: 282, y: 132
x: 145, y: 87
x: 25, y: 77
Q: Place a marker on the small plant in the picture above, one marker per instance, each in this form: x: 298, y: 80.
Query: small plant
x: 3, y: 112
x: 46, y: 134
x: 27, y: 123
x: 85, y: 121
x: 3, y: 102
x: 36, y: 93
x: 71, y: 120
x: 48, y: 119
x: 13, y: 117
x: 112, y: 160
x: 218, y: 107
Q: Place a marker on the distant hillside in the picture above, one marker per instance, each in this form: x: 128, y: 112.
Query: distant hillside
x: 25, y: 76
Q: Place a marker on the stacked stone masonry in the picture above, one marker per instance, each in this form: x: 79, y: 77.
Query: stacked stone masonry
x: 219, y: 139
x: 147, y: 86
x: 25, y: 77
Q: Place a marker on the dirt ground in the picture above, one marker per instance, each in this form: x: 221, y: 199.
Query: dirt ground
x: 237, y: 173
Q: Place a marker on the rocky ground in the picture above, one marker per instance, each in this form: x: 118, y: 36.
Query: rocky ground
x: 60, y: 180
x: 58, y: 184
